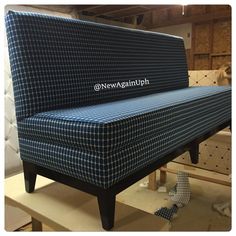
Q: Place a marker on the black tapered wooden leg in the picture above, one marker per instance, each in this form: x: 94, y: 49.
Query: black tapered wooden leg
x: 194, y: 151
x: 106, y: 204
x: 29, y: 176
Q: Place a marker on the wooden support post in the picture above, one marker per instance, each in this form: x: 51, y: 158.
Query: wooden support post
x: 211, y: 30
x: 163, y: 176
x: 36, y: 225
x: 152, y: 181
x: 193, y: 47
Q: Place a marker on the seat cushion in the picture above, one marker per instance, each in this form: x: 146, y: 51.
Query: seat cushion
x: 104, y: 143
x: 109, y: 126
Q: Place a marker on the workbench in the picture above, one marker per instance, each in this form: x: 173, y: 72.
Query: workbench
x: 63, y: 208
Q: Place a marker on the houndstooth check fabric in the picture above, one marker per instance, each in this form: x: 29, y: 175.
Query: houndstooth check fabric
x: 167, y: 213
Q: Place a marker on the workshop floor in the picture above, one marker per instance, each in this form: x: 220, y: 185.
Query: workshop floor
x: 198, y: 215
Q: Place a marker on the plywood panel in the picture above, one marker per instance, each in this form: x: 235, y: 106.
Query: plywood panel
x: 175, y: 12
x: 183, y: 30
x: 201, y: 62
x: 203, y: 77
x: 222, y: 37
x: 149, y: 19
x: 197, y: 9
x: 202, y: 38
x: 218, y: 61
x: 188, y: 57
x: 214, y: 154
x: 218, y: 8
x: 160, y: 16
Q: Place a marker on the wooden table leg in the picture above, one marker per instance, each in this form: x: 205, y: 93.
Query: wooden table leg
x: 36, y: 225
x: 163, y: 176
x: 152, y: 181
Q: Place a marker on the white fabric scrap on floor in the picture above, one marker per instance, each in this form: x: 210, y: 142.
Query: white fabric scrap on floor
x: 223, y: 208
x: 180, y: 194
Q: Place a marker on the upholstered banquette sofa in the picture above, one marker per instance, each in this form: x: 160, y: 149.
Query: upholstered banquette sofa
x: 99, y: 107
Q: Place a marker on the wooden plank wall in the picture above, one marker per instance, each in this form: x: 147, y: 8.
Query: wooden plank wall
x: 211, y: 44
x: 211, y: 32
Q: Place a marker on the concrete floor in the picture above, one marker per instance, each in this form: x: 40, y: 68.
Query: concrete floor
x: 198, y: 215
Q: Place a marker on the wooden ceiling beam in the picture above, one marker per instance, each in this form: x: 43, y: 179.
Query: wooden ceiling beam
x: 160, y: 7
x: 80, y: 8
x: 135, y: 13
x: 144, y: 7
x: 114, y: 9
x: 119, y: 8
x: 65, y: 8
x: 58, y: 8
x: 109, y: 22
x: 193, y: 19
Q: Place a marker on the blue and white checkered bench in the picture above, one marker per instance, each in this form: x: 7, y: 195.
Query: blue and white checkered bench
x: 99, y: 107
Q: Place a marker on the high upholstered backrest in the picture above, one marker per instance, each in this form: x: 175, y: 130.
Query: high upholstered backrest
x: 58, y: 62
